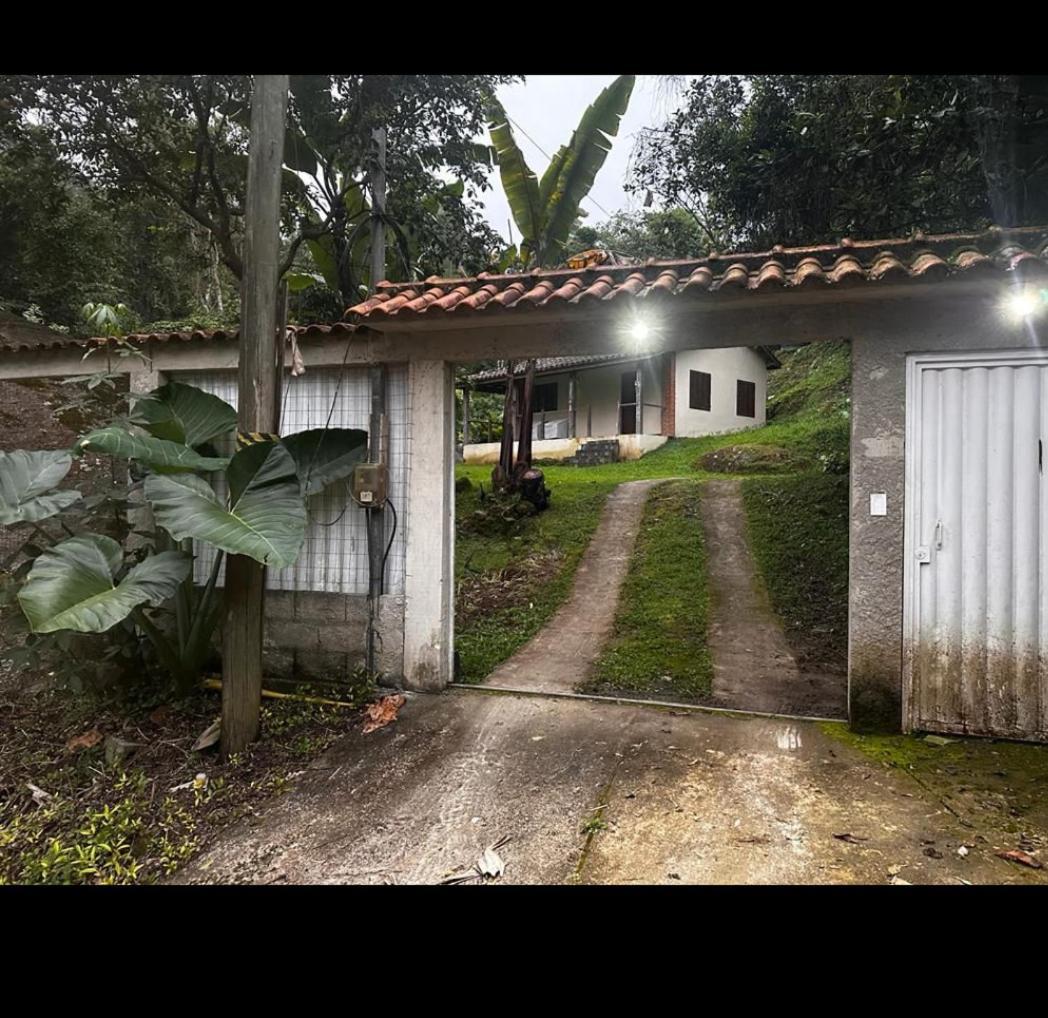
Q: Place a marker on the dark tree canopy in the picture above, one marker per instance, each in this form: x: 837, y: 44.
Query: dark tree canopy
x: 182, y: 140
x: 64, y: 242
x: 795, y: 159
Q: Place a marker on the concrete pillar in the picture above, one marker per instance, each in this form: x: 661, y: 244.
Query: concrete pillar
x: 142, y: 378
x: 638, y: 398
x: 430, y: 550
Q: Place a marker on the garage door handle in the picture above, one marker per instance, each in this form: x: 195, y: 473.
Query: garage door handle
x: 938, y: 535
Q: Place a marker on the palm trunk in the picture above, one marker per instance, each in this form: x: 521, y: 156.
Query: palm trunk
x: 526, y: 417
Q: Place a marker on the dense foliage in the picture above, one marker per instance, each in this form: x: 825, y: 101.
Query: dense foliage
x: 173, y: 149
x: 794, y: 159
x: 64, y: 242
x: 636, y: 236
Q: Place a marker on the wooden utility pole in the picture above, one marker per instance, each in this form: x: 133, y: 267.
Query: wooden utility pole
x: 257, y: 400
x: 377, y: 453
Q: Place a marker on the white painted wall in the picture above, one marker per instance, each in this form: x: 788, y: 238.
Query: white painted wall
x: 726, y: 366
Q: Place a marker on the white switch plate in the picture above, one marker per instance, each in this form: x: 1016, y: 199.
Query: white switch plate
x: 879, y: 503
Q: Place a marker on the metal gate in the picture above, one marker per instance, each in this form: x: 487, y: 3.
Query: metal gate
x: 976, y: 589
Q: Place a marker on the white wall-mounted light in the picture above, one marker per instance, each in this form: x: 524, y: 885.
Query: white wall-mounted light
x: 1024, y: 303
x: 640, y: 331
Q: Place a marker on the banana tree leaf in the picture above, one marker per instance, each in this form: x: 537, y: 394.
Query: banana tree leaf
x: 324, y: 456
x: 266, y: 516
x: 587, y: 150
x: 322, y: 251
x: 26, y: 483
x: 552, y: 175
x: 299, y: 281
x: 72, y: 586
x: 184, y: 414
x: 518, y: 180
x: 157, y: 453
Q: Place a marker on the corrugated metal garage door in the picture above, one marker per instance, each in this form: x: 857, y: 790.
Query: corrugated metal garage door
x: 977, y: 543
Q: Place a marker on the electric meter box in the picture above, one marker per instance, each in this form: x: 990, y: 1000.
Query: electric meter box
x: 369, y: 485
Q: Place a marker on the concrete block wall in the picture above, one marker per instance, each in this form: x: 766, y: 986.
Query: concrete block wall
x: 319, y: 636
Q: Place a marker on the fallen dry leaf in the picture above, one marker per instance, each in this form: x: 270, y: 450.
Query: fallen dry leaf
x: 209, y: 736
x: 39, y: 795
x: 383, y: 711
x: 160, y: 714
x: 1021, y: 857
x: 490, y: 864
x: 85, y: 741
x: 852, y: 839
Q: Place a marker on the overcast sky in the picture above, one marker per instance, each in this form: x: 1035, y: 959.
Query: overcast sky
x: 548, y: 108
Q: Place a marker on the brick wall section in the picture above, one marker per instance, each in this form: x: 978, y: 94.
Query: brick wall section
x: 669, y: 394
x: 312, y: 635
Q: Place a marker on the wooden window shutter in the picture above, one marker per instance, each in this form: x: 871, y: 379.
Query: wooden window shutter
x: 699, y: 394
x: 746, y: 399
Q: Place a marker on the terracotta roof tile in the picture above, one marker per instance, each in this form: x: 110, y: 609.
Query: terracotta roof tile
x: 916, y: 259
x: 304, y: 332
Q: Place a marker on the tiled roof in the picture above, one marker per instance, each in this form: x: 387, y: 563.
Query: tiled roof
x: 545, y: 365
x: 917, y: 259
x: 13, y: 342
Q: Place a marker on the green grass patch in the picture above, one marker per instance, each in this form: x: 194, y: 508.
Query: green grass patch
x: 659, y: 647
x: 996, y: 787
x: 798, y: 535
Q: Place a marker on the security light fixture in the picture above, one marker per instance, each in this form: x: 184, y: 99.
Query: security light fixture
x: 1025, y: 303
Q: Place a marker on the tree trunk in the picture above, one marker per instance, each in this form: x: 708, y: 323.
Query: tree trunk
x: 503, y: 472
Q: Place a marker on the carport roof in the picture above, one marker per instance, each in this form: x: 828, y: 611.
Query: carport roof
x: 917, y: 259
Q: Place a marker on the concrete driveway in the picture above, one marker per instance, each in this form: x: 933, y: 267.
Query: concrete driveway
x: 598, y: 793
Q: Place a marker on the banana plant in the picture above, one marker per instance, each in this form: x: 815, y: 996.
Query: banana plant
x: 87, y: 584
x: 545, y: 210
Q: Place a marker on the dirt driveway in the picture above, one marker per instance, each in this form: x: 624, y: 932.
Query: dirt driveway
x: 600, y: 793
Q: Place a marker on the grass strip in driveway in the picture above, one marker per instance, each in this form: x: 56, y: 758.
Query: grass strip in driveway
x: 659, y: 649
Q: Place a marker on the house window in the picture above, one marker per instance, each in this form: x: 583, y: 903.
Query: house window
x: 746, y: 399
x: 699, y: 390
x: 544, y: 397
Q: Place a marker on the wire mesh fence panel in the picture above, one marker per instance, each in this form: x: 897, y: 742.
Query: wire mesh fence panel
x: 334, y: 556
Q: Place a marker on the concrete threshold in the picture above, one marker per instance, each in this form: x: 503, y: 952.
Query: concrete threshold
x: 696, y: 708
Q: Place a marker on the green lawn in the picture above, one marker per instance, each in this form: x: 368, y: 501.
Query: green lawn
x: 659, y: 647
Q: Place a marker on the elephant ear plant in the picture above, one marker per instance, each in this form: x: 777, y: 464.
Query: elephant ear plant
x: 88, y: 583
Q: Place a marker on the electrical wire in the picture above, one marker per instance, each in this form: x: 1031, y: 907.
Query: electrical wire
x: 550, y: 158
x: 391, y: 536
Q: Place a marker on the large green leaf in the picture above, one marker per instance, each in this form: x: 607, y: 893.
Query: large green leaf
x: 322, y: 251
x: 157, y: 453
x: 587, y: 150
x: 72, y: 585
x: 518, y: 180
x: 266, y: 516
x: 26, y: 483
x: 183, y: 413
x: 325, y: 455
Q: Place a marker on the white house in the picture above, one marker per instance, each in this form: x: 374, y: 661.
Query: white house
x: 634, y: 403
